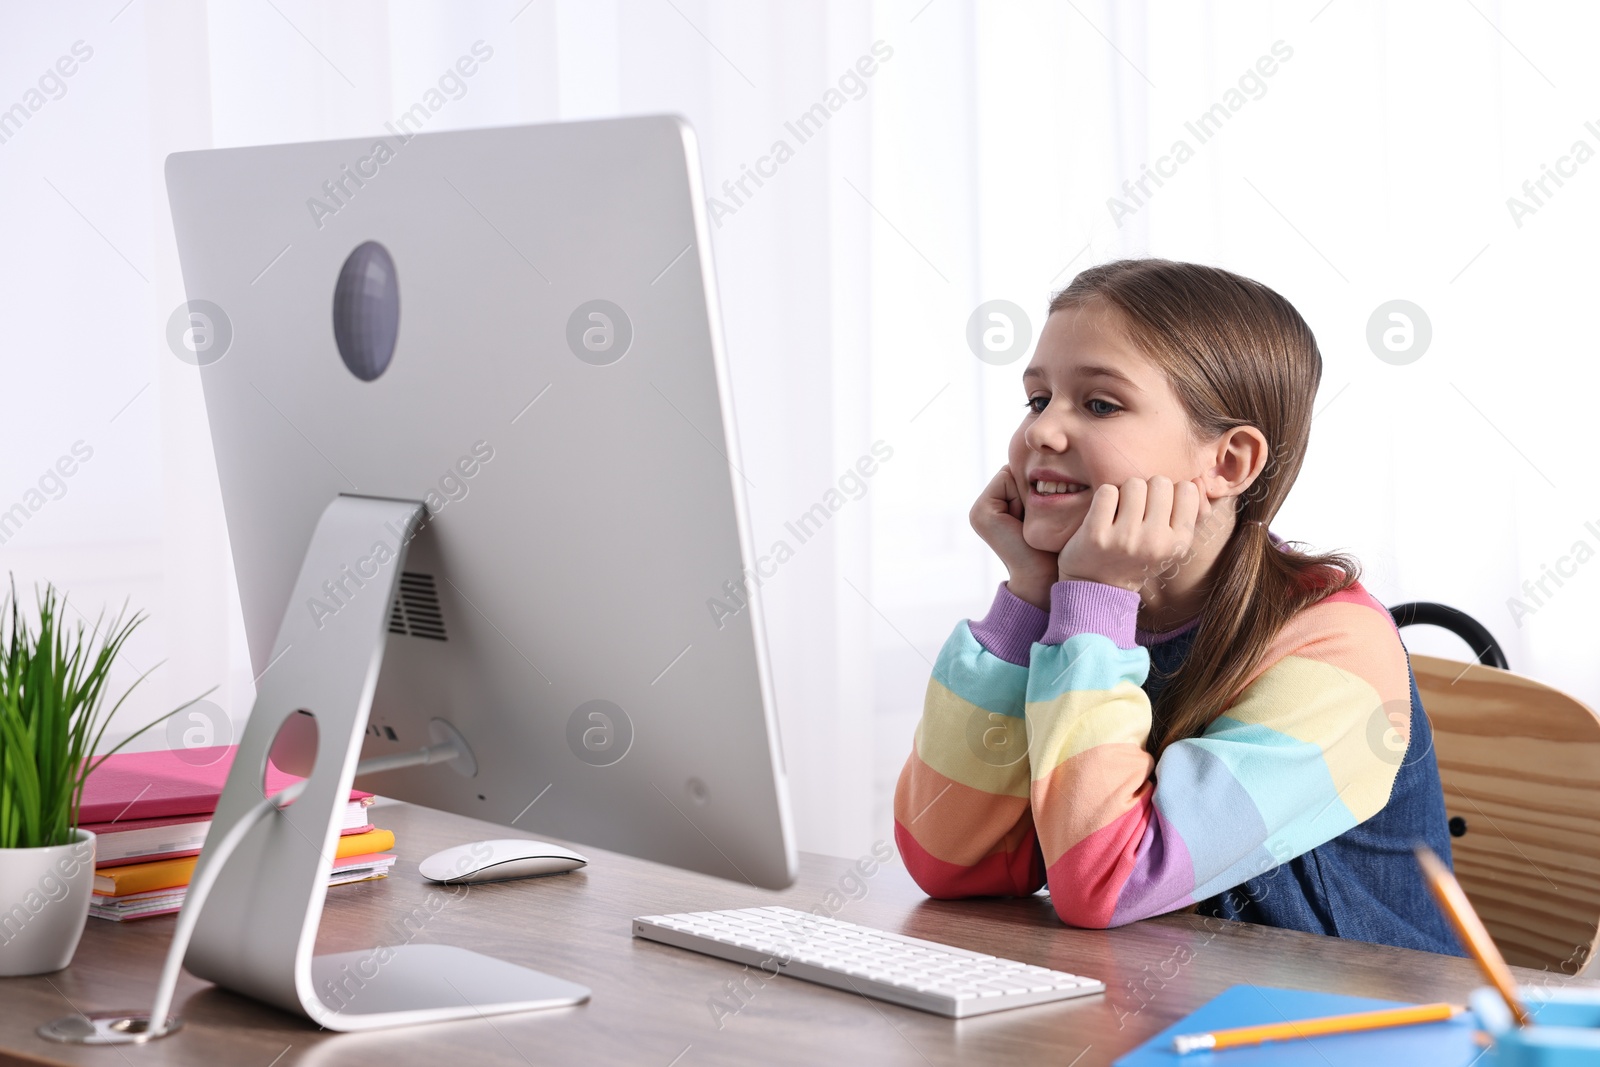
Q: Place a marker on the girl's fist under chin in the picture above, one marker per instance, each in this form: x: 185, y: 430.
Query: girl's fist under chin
x: 997, y: 517
x: 1135, y: 530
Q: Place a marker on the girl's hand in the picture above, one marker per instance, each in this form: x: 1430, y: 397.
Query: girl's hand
x: 997, y: 518
x: 1134, y: 533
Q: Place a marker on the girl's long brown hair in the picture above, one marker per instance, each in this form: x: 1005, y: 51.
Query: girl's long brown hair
x: 1236, y: 354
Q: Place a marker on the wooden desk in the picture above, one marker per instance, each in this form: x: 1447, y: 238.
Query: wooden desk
x: 652, y: 1003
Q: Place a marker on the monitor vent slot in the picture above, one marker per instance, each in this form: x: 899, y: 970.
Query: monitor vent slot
x: 416, y: 610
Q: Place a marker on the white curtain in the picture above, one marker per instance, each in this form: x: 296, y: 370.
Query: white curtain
x: 1347, y: 153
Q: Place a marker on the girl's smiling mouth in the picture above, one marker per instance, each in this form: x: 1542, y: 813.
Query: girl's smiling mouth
x: 1047, y: 486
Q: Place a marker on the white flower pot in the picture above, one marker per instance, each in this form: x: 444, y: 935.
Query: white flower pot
x: 44, y: 902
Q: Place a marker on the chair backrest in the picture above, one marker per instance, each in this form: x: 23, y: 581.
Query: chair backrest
x: 1520, y: 765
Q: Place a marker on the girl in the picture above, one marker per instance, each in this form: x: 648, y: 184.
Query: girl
x: 1167, y: 707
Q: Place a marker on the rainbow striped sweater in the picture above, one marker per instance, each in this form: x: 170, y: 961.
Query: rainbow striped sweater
x: 1029, y: 769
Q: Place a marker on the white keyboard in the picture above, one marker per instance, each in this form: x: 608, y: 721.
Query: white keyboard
x: 858, y: 959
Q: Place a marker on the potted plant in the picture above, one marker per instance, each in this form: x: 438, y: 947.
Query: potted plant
x: 52, y: 718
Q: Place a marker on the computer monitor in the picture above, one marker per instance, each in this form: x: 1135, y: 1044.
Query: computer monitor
x: 512, y: 335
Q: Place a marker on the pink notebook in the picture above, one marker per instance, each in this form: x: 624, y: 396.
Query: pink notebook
x: 159, y: 785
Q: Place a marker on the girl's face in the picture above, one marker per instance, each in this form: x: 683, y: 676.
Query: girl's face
x: 1099, y: 411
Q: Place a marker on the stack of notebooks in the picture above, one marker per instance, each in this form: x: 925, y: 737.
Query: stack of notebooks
x: 150, y: 812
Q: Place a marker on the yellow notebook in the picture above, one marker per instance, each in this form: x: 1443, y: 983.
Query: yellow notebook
x: 168, y: 874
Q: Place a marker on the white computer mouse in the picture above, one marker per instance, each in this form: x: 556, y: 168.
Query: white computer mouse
x: 493, y: 861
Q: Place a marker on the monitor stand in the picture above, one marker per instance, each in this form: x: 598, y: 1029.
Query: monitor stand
x: 256, y: 930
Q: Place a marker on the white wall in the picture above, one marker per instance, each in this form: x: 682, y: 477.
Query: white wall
x: 976, y: 165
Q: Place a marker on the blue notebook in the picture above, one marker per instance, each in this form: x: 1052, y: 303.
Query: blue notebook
x: 1442, y: 1044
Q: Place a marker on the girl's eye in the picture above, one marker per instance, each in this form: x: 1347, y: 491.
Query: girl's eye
x: 1037, y: 404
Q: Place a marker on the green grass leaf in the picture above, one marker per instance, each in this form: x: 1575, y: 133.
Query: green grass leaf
x: 53, y: 680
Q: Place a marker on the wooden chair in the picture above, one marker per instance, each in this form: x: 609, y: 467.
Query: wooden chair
x: 1520, y: 765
